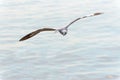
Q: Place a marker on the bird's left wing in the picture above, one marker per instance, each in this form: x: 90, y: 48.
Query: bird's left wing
x: 35, y: 32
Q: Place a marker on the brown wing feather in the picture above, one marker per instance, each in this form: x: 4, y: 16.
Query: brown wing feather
x: 35, y: 32
x: 98, y: 13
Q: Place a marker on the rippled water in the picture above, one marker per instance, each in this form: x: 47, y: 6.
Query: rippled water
x: 90, y: 50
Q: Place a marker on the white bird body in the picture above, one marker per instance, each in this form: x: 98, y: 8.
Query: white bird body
x: 63, y: 31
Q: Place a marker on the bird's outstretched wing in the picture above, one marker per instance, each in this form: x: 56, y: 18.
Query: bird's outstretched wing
x: 36, y: 32
x: 95, y: 14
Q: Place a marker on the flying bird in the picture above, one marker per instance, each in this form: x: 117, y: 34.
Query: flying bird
x: 63, y: 31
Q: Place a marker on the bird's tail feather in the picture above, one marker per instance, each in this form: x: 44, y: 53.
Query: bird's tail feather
x: 29, y: 35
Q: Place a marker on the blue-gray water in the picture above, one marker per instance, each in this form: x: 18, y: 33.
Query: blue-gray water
x: 90, y: 50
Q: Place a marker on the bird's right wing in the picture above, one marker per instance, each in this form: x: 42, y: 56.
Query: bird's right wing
x: 95, y: 14
x: 36, y: 32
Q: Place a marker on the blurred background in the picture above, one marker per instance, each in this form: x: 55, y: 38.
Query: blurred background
x: 90, y: 50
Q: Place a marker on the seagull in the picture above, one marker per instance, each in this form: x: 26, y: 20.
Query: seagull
x: 63, y: 31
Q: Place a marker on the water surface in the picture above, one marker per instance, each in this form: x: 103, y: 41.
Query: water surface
x: 90, y: 50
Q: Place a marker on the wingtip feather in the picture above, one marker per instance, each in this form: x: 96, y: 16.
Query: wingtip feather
x: 98, y: 13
